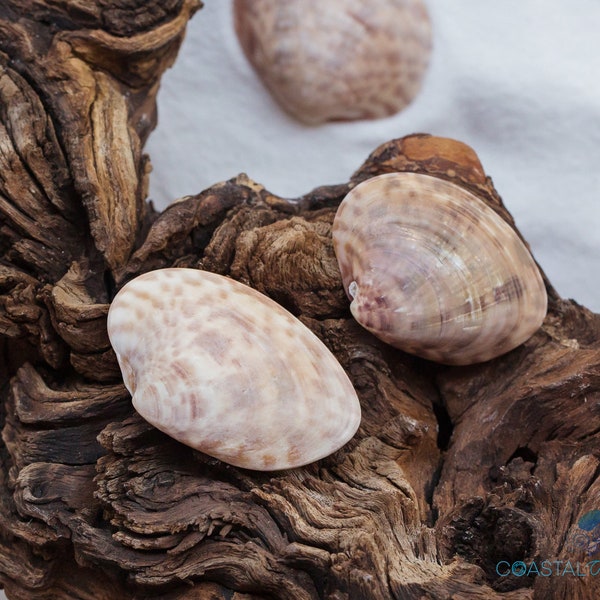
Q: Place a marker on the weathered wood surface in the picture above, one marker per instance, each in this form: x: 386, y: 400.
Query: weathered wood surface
x: 452, y: 470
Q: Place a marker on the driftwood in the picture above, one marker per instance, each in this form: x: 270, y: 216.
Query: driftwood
x: 453, y: 470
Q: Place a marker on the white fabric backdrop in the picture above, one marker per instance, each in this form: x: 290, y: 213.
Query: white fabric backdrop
x: 518, y: 81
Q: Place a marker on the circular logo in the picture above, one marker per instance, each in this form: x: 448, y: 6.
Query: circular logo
x: 590, y: 520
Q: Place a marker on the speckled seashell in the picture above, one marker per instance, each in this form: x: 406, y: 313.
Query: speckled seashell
x: 337, y: 59
x: 431, y: 269
x: 226, y: 370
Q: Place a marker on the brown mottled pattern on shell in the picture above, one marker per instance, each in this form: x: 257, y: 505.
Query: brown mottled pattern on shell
x: 340, y: 59
x: 226, y: 370
x: 437, y: 272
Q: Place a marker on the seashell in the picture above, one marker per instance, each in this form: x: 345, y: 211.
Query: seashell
x: 432, y: 270
x: 337, y: 60
x: 226, y: 370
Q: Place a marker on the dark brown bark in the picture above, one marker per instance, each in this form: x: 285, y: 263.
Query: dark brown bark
x: 452, y: 470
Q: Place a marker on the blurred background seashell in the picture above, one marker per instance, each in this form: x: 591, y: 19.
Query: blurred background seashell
x: 433, y: 270
x: 226, y: 370
x: 337, y: 60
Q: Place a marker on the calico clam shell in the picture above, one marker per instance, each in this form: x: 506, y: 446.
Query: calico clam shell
x: 226, y: 370
x: 432, y: 270
x: 337, y: 59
